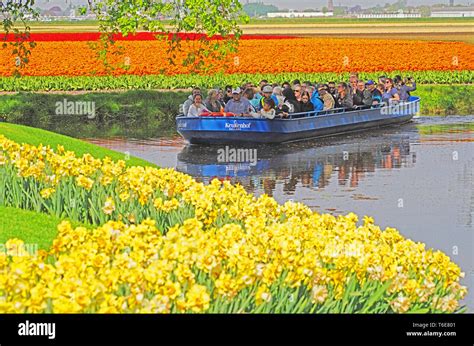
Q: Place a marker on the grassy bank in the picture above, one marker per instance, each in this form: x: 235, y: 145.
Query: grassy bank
x: 446, y: 99
x: 39, y: 229
x: 34, y: 136
x: 35, y: 229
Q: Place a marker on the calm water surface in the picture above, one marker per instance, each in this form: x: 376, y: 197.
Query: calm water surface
x: 418, y: 178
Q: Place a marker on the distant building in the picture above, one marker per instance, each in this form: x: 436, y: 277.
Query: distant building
x: 293, y: 14
x: 452, y: 12
x: 389, y: 15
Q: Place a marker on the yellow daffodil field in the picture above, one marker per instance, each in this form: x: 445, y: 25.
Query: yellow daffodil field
x: 156, y: 241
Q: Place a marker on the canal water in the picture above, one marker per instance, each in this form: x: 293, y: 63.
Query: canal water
x: 418, y: 177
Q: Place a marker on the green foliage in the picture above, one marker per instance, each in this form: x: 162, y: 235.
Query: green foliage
x: 14, y: 12
x: 446, y: 99
x: 185, y: 81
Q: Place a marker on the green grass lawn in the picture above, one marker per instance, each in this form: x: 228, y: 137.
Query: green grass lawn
x: 35, y: 229
x: 33, y: 136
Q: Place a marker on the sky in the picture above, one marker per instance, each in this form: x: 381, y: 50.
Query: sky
x: 290, y: 4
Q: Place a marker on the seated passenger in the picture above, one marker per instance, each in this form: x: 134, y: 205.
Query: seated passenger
x: 326, y: 97
x: 305, y: 104
x: 278, y: 94
x: 290, y: 105
x: 297, y: 92
x: 353, y: 79
x: 317, y: 101
x: 375, y: 94
x: 304, y: 87
x: 404, y: 87
x: 238, y: 105
x: 228, y: 94
x: 197, y: 107
x: 267, y: 92
x: 248, y: 94
x: 344, y: 98
x: 332, y: 89
x: 212, y: 101
x: 255, y: 102
x: 362, y: 96
x: 390, y: 94
x: 268, y: 110
x: 381, y: 89
x: 190, y: 100
x: 220, y: 96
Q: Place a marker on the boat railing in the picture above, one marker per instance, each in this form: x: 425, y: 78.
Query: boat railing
x: 331, y: 111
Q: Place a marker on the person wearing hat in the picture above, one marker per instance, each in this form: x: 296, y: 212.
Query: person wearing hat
x: 374, y: 92
x: 238, y: 105
x: 267, y: 92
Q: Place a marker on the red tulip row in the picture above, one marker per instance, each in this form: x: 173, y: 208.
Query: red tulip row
x: 140, y: 36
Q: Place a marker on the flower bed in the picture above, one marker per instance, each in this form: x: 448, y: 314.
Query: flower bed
x: 164, y: 243
x: 303, y: 55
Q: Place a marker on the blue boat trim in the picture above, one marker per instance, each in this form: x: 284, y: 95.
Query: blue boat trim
x: 300, y: 126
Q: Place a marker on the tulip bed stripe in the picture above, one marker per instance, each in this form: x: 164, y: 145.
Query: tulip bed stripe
x: 125, y: 82
x: 297, y: 55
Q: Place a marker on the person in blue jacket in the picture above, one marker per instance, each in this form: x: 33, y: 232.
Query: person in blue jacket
x: 316, y: 101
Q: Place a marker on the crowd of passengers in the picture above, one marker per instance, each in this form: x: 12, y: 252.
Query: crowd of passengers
x: 274, y: 100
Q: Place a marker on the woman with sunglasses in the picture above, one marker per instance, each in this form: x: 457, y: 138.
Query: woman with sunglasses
x: 297, y: 92
x: 228, y: 94
x: 391, y: 93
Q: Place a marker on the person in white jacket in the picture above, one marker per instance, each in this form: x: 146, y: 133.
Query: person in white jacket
x: 197, y: 108
x: 190, y: 100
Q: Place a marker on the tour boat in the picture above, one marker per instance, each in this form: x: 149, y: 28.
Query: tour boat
x: 297, y: 126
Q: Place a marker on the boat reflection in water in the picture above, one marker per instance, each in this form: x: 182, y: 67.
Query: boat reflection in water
x: 310, y: 164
